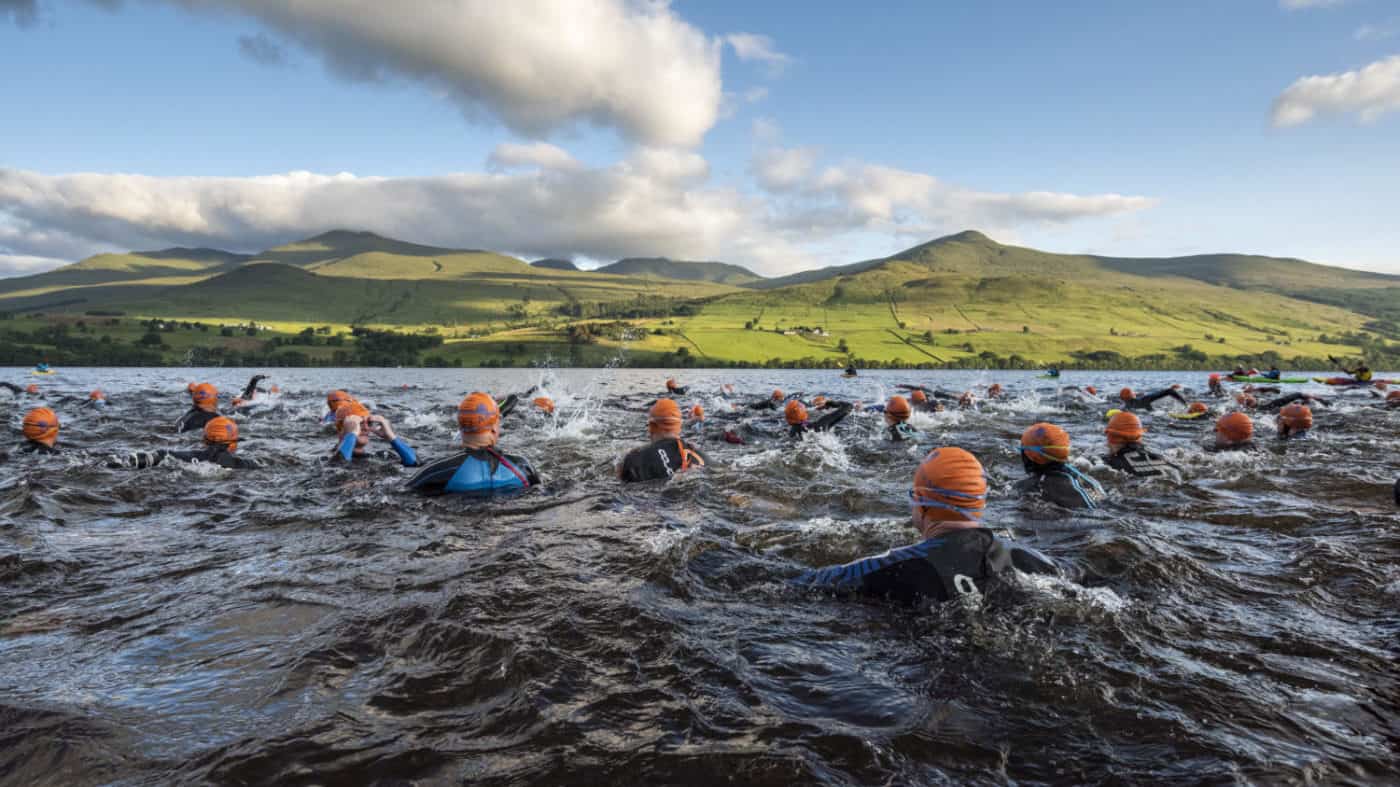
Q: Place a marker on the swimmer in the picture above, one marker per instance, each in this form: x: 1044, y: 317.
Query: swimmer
x: 773, y: 402
x: 675, y: 389
x: 204, y: 400
x: 667, y: 454
x: 1045, y: 456
x: 480, y: 470
x: 897, y: 412
x: 40, y: 430
x: 220, y: 448
x: 1134, y: 401
x: 1294, y: 422
x: 1126, y: 452
x: 957, y: 557
x: 334, y: 400
x: 1299, y: 398
x: 795, y: 413
x: 1214, y: 385
x: 354, y: 424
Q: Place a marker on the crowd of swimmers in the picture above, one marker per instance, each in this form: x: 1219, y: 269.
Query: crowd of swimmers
x: 948, y: 493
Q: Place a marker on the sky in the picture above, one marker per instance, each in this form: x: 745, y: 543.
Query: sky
x: 780, y: 135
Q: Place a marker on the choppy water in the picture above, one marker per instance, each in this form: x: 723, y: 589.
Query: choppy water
x: 311, y: 625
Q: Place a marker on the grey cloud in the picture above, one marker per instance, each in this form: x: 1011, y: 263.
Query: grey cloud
x: 263, y: 50
x: 23, y: 12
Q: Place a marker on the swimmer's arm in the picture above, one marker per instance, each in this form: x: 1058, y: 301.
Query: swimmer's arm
x: 505, y: 407
x: 251, y: 389
x: 405, y: 452
x: 346, y: 450
x: 832, y: 418
x: 14, y: 389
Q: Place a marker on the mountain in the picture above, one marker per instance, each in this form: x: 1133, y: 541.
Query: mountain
x: 680, y: 270
x: 961, y: 300
x: 555, y: 264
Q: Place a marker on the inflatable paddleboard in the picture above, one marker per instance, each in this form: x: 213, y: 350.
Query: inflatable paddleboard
x: 36, y: 371
x: 1347, y: 381
x: 1187, y: 416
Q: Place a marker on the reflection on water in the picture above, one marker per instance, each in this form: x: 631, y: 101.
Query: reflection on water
x: 312, y: 624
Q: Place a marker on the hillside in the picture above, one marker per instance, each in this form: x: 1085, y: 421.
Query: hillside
x: 962, y: 300
x: 681, y: 270
x: 554, y: 264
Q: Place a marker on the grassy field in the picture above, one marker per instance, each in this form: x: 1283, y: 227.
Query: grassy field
x: 961, y: 300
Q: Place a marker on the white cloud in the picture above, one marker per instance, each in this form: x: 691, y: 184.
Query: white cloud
x: 538, y: 202
x: 1368, y: 92
x: 781, y: 169
x: 1300, y: 5
x: 21, y: 265
x: 535, y: 155
x: 758, y: 48
x: 537, y: 65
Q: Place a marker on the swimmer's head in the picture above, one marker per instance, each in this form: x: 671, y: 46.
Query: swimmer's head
x: 1045, y: 443
x: 41, y: 426
x: 1124, y: 429
x: 664, y: 419
x: 544, y: 404
x: 222, y: 431
x: 949, y: 491
x: 479, y: 419
x: 205, y: 397
x: 897, y: 410
x: 795, y: 413
x: 1294, y: 418
x: 1233, y: 429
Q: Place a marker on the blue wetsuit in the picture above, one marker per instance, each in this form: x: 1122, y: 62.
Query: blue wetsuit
x: 481, y: 472
x: 345, y: 452
x: 937, y: 569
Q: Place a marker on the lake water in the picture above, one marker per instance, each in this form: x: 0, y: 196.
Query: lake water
x: 311, y: 624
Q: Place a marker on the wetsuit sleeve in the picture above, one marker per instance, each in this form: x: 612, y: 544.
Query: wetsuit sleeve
x: 183, y: 424
x: 528, y: 470
x: 403, y: 449
x: 252, y: 386
x: 765, y: 404
x: 901, y: 574
x: 346, y: 449
x: 137, y: 460
x: 14, y: 389
x: 832, y: 418
x: 508, y: 405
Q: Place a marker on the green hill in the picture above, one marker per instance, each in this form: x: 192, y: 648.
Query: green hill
x: 962, y: 300
x: 681, y: 270
x: 555, y: 264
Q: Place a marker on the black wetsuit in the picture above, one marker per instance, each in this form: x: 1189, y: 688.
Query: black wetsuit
x: 251, y: 388
x: 767, y: 404
x: 900, y: 432
x: 937, y: 569
x: 838, y: 410
x: 213, y: 454
x: 1284, y: 401
x: 1136, y: 460
x: 194, y: 420
x: 1059, y: 484
x: 14, y: 389
x: 677, y: 391
x: 480, y: 472
x: 662, y: 459
x: 1144, y: 401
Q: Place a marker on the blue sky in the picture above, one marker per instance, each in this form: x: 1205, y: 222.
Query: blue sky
x: 781, y: 135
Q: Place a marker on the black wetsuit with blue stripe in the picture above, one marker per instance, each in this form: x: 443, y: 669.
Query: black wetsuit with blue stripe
x: 1060, y: 484
x: 345, y: 452
x: 479, y: 472
x: 937, y: 569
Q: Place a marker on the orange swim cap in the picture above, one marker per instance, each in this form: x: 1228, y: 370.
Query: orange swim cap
x: 1393, y: 396
x: 41, y: 426
x: 1234, y: 428
x: 819, y: 402
x: 671, y: 384
x: 1043, y: 443
x: 1125, y: 394
x: 919, y: 397
x: 205, y: 396
x: 335, y: 399
x: 1197, y: 407
x: 1297, y: 417
x: 1215, y: 378
x: 795, y: 413
x: 222, y: 431
x: 665, y: 414
x: 31, y: 389
x: 478, y: 413
x: 545, y: 404
x: 274, y: 389
x: 1091, y: 389
x: 777, y: 394
x: 697, y: 412
x: 995, y: 390
x: 898, y: 408
x: 97, y: 395
x: 1246, y: 401
x: 1125, y: 428
x: 950, y: 486
x: 348, y: 409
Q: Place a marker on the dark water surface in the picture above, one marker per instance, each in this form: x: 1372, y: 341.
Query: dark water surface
x: 308, y: 624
